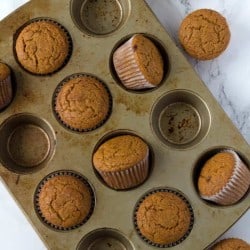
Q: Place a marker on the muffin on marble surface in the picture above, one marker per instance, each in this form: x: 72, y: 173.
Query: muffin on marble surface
x: 138, y: 63
x: 122, y: 161
x: 64, y: 201
x: 204, y: 34
x: 6, y: 91
x: 163, y: 218
x: 43, y: 46
x: 224, y: 178
x: 231, y: 244
x: 83, y: 103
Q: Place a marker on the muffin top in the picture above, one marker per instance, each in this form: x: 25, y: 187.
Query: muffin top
x: 231, y: 244
x: 64, y: 201
x: 42, y: 47
x: 120, y: 153
x: 148, y: 59
x: 83, y: 103
x: 163, y: 218
x: 204, y: 34
x: 4, y: 71
x: 216, y: 173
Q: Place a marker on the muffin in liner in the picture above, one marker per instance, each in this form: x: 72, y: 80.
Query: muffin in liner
x: 138, y: 63
x: 31, y: 62
x: 237, y: 185
x: 62, y: 202
x: 6, y: 91
x: 119, y: 177
x: 86, y: 104
x: 182, y: 198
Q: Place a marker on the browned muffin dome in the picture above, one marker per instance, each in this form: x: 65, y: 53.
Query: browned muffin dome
x: 204, y: 34
x: 42, y: 47
x: 231, y: 244
x: 163, y: 218
x: 83, y: 103
x: 5, y: 86
x: 120, y: 153
x: 64, y: 201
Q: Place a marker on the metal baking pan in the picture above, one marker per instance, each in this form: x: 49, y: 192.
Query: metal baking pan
x: 176, y: 156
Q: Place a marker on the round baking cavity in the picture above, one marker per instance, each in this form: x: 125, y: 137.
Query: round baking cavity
x: 200, y: 163
x: 56, y: 92
x: 27, y: 143
x: 116, y: 133
x: 163, y: 51
x: 105, y: 239
x: 169, y: 190
x: 98, y: 17
x: 180, y: 119
x: 38, y: 19
x: 63, y: 173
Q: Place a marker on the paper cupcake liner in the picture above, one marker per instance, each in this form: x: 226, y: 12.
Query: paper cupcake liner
x: 6, y: 92
x: 127, y: 69
x: 169, y: 190
x: 69, y: 39
x: 128, y: 178
x: 57, y: 115
x: 63, y: 173
x: 236, y: 187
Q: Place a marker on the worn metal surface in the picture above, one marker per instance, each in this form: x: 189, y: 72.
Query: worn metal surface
x: 174, y: 165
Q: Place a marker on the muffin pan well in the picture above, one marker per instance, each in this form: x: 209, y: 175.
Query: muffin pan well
x: 141, y: 113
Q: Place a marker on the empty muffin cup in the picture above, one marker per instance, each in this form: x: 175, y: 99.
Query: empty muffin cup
x: 98, y: 17
x: 180, y: 119
x: 27, y: 143
x: 105, y: 239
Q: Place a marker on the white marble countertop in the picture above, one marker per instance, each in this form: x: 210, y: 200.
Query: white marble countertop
x: 226, y: 77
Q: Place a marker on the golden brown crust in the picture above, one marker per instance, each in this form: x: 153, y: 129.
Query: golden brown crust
x: 64, y: 201
x: 148, y: 58
x: 231, y: 244
x: 120, y: 153
x: 216, y: 173
x: 163, y: 218
x: 204, y: 34
x: 4, y: 71
x: 42, y: 47
x: 83, y: 103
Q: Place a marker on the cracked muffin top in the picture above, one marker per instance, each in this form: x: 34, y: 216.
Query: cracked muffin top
x: 64, y: 201
x: 42, y: 47
x: 231, y: 244
x: 83, y: 103
x: 204, y: 34
x: 163, y: 218
x: 120, y: 153
x: 4, y: 71
x: 216, y: 173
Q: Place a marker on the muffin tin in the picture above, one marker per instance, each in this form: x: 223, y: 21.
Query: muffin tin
x: 178, y: 147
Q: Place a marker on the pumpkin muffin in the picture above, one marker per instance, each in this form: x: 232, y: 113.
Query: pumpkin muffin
x: 224, y: 178
x: 6, y: 92
x: 42, y: 47
x: 122, y: 161
x: 83, y: 103
x: 204, y: 34
x: 64, y: 201
x: 138, y: 63
x: 231, y: 244
x: 164, y: 219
